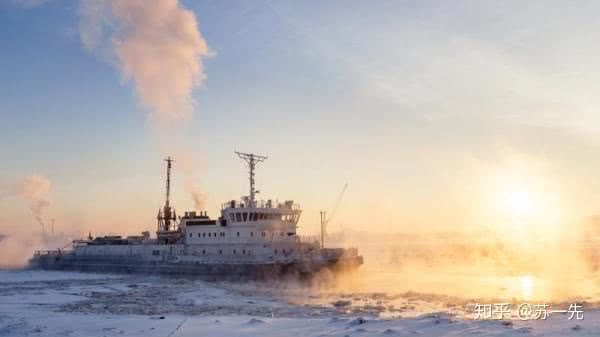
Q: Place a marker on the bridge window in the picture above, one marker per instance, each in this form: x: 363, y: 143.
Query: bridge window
x: 245, y: 216
x: 238, y: 217
x: 231, y: 217
x: 263, y: 234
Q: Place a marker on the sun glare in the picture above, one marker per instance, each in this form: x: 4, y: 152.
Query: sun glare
x: 520, y: 202
x: 527, y: 285
x: 522, y: 205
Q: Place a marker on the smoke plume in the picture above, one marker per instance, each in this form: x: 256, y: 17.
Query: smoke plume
x: 35, y: 189
x: 157, y: 46
x: 197, y: 197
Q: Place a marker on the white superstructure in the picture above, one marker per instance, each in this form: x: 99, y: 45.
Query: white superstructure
x: 249, y: 231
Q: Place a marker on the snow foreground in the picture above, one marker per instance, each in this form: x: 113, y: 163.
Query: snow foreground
x: 44, y: 303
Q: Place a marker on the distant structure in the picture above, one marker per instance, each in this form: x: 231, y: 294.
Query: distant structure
x: 325, y: 220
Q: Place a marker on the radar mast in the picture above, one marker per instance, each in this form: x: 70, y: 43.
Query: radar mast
x: 251, y: 159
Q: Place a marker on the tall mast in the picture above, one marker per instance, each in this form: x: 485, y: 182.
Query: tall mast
x: 166, y: 217
x: 168, y: 160
x: 251, y: 159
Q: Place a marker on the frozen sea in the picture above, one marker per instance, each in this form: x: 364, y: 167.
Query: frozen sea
x: 48, y: 303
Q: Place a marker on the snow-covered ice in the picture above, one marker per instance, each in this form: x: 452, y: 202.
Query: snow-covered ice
x: 44, y: 303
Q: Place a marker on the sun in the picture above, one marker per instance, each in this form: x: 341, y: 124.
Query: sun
x: 520, y: 202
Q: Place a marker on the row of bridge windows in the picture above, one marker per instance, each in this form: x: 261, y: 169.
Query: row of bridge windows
x: 235, y: 252
x: 253, y: 216
x: 222, y: 234
x: 249, y: 252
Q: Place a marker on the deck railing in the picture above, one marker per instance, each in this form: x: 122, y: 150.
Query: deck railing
x: 308, y: 239
x: 49, y: 252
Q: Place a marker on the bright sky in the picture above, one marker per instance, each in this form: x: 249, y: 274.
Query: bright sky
x: 427, y: 109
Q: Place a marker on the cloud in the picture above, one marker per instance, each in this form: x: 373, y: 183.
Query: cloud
x: 35, y: 189
x: 157, y: 46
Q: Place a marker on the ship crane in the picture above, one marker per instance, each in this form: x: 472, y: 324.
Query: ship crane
x: 325, y: 220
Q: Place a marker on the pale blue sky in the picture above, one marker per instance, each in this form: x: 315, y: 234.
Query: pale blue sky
x: 412, y: 103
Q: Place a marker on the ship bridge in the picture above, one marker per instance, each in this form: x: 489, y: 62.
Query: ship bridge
x: 247, y: 229
x: 247, y: 211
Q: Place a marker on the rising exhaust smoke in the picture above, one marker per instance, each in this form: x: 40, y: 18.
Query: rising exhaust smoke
x: 35, y: 189
x: 197, y: 197
x: 157, y: 46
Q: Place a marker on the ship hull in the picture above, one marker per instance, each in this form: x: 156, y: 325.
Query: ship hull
x: 204, y: 271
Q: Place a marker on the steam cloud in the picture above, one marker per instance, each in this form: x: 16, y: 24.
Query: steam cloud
x: 158, y: 46
x: 198, y: 198
x: 35, y: 189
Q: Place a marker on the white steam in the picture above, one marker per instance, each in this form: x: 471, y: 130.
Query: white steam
x: 35, y: 189
x: 157, y: 45
x: 15, y: 248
